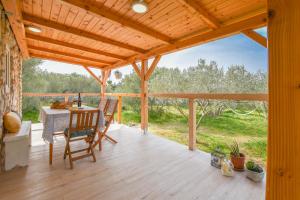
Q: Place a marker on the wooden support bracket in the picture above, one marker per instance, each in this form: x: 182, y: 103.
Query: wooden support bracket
x: 256, y: 37
x: 92, y: 74
x: 136, y: 69
x: 152, y: 67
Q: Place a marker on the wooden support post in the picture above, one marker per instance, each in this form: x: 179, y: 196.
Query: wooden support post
x: 119, y: 109
x: 283, y: 161
x: 144, y: 96
x: 104, y: 76
x: 192, y: 124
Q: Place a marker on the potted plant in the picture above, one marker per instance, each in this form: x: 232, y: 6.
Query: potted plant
x: 254, y: 171
x: 237, y: 158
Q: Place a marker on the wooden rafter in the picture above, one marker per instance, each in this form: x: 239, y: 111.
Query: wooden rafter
x: 79, y: 32
x: 92, y: 74
x: 256, y: 37
x: 224, y: 31
x: 59, y: 59
x: 15, y: 19
x: 214, y: 23
x: 72, y: 46
x: 136, y: 69
x: 152, y: 67
x: 42, y: 49
x: 116, y: 17
x: 195, y: 7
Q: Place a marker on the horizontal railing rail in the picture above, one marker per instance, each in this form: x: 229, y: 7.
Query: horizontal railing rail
x: 212, y: 96
x: 30, y: 94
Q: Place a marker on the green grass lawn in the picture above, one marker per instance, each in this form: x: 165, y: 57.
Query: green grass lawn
x: 249, y: 130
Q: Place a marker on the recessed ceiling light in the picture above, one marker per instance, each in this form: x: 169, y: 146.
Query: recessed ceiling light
x: 34, y: 29
x: 139, y: 6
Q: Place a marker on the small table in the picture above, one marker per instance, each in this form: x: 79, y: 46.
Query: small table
x: 56, y: 120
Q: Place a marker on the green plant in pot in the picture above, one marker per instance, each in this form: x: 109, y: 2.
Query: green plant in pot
x: 254, y: 171
x: 237, y: 158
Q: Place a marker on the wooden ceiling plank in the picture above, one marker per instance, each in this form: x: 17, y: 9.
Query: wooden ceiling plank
x: 256, y: 37
x: 92, y: 74
x: 58, y: 59
x: 116, y: 17
x: 209, y: 19
x: 67, y: 54
x: 81, y: 33
x: 224, y: 31
x: 16, y: 21
x: 73, y: 46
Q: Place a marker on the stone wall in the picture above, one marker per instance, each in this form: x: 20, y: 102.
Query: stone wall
x: 10, y: 83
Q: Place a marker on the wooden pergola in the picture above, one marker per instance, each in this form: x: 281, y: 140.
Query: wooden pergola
x: 107, y: 34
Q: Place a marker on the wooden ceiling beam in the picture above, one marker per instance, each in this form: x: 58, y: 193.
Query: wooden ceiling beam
x: 214, y: 23
x: 73, y: 46
x: 257, y: 21
x: 256, y: 37
x: 117, y: 18
x: 195, y: 7
x: 67, y: 54
x: 13, y: 7
x: 79, y: 32
x: 58, y: 59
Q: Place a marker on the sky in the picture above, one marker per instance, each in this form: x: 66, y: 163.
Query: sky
x: 234, y: 50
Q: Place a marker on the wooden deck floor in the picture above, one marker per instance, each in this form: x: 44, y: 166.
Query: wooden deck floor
x: 138, y: 167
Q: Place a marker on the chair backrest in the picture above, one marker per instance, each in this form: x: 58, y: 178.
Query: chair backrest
x: 102, y: 103
x: 110, y: 110
x: 111, y: 106
x: 85, y: 120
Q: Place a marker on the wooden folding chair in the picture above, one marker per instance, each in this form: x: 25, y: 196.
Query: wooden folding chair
x: 103, y: 104
x: 84, y: 128
x: 109, y: 111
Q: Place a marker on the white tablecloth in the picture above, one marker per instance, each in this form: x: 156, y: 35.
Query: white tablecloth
x: 55, y: 120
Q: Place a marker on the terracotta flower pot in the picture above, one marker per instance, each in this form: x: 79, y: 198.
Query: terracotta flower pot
x: 238, y: 162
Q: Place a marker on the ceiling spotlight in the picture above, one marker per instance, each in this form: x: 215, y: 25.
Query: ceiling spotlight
x: 34, y: 29
x: 139, y: 6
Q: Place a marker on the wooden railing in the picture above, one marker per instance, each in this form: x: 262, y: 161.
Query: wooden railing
x: 190, y: 96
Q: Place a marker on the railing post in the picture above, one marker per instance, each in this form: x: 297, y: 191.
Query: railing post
x: 66, y: 98
x: 119, y: 109
x: 192, y: 124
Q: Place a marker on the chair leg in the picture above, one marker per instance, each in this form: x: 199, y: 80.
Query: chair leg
x: 66, y: 151
x: 100, y: 136
x: 92, y: 151
x: 110, y: 139
x: 70, y: 157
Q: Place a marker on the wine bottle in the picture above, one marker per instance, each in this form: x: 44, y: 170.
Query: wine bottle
x: 79, y: 100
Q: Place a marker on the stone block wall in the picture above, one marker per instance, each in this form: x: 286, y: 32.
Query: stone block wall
x: 10, y: 75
